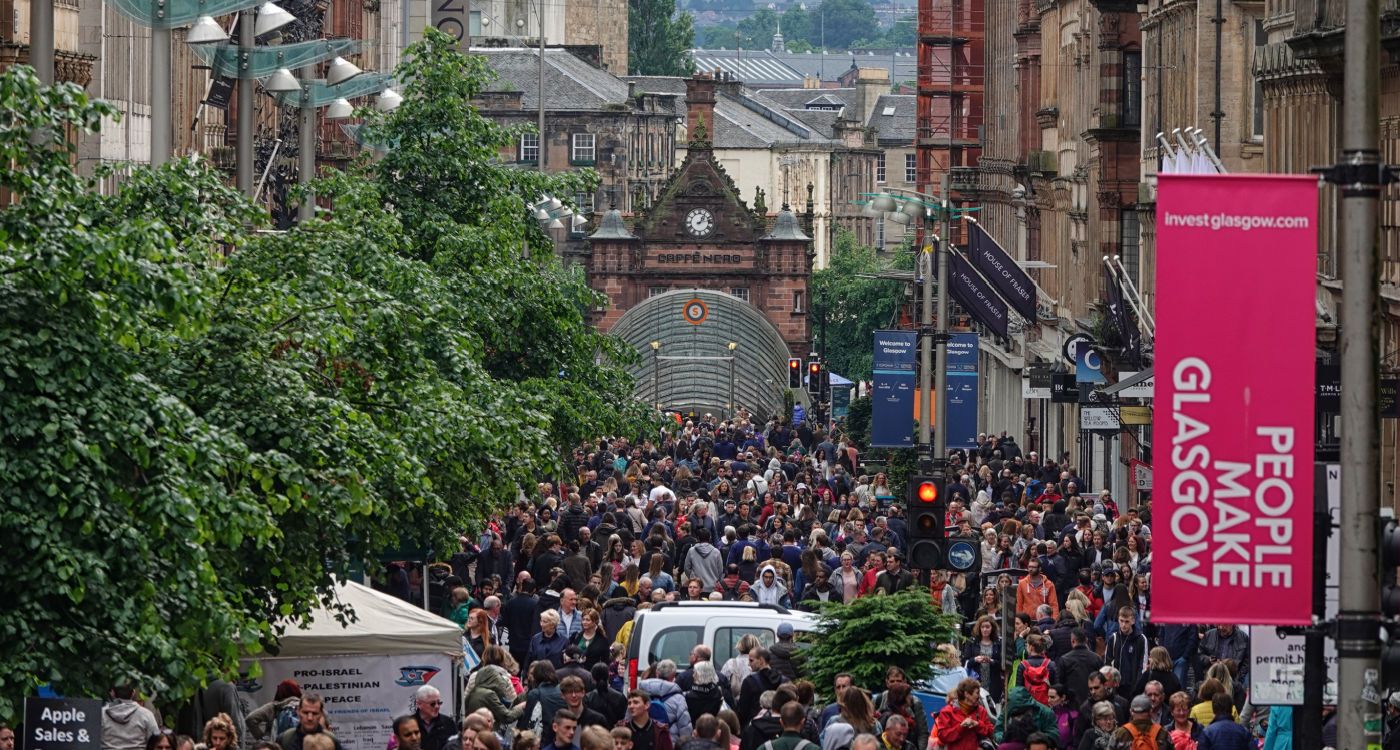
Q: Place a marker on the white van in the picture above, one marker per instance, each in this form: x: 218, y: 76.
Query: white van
x: 669, y: 630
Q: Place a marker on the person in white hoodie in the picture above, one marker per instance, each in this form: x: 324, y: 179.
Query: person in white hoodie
x: 126, y: 724
x: 769, y: 588
x: 704, y: 561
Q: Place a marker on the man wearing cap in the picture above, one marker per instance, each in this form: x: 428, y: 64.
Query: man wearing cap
x: 1141, y: 725
x: 894, y: 579
x: 783, y: 653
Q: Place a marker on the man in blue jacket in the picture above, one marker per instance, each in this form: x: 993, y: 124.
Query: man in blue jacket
x: 1224, y: 733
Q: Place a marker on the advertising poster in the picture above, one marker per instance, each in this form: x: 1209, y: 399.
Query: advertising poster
x: 363, y: 694
x: 1234, y: 424
x: 962, y: 391
x: 892, y: 397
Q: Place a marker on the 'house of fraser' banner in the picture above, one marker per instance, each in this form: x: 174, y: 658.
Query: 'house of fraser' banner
x: 1232, y: 511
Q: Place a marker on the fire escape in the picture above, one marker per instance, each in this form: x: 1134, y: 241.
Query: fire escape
x: 951, y: 89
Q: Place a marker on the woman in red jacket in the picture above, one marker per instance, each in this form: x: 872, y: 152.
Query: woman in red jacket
x: 964, y: 722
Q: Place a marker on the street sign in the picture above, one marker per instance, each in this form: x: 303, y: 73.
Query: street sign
x: 1063, y: 389
x: 62, y: 724
x: 1142, y: 474
x: 1141, y: 390
x: 1072, y: 344
x: 1098, y: 418
x: 1135, y: 414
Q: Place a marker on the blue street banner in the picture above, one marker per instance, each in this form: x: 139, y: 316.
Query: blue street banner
x: 960, y: 420
x: 976, y: 296
x: 1010, y: 280
x: 1088, y: 366
x: 892, y: 396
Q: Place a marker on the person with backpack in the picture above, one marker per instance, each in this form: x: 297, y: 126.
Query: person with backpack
x: 647, y: 733
x: 669, y: 697
x: 963, y: 723
x: 1037, y: 670
x: 792, y: 715
x: 1023, y: 716
x: 899, y: 699
x: 1145, y: 734
x: 271, y: 719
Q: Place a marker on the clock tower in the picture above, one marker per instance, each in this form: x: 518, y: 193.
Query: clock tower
x: 701, y: 235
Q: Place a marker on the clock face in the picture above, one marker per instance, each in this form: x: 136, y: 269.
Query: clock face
x: 699, y: 222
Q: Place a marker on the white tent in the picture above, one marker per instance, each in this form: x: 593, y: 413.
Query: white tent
x: 365, y: 671
x: 383, y: 625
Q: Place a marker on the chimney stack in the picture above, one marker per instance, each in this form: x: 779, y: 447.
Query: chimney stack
x: 700, y: 104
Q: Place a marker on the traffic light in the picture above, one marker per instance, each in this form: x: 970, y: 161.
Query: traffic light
x: 927, y: 516
x: 794, y: 372
x: 814, y: 378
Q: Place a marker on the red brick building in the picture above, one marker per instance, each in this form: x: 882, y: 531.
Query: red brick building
x: 701, y: 235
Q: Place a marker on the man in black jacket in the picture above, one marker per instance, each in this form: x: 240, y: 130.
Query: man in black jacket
x: 1078, y: 665
x: 760, y: 679
x: 522, y: 618
x: 603, y: 699
x: 435, y: 725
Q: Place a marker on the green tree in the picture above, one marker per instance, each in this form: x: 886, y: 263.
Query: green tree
x: 203, y: 427
x: 839, y: 24
x: 865, y: 637
x: 659, y: 39
x: 853, y: 306
x: 797, y: 28
x: 719, y: 36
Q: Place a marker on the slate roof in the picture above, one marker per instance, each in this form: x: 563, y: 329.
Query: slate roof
x: 898, y: 128
x: 570, y: 83
x: 801, y: 98
x: 753, y: 118
x: 674, y: 85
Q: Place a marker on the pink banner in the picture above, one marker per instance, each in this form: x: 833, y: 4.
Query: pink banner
x: 1233, y: 419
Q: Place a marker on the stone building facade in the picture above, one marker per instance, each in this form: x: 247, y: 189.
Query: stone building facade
x: 592, y: 119
x: 700, y: 234
x: 1298, y: 70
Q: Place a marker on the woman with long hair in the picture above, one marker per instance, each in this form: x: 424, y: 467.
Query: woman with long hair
x: 736, y: 670
x: 660, y: 579
x: 615, y: 552
x: 631, y: 579
x: 490, y: 687
x: 525, y: 556
x: 1077, y: 603
x: 855, y: 716
x: 591, y: 639
x: 478, y: 630
x: 881, y: 491
x: 847, y: 577
x: 1159, y: 669
x: 982, y: 654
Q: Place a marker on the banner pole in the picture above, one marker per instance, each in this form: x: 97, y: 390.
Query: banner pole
x: 1145, y: 316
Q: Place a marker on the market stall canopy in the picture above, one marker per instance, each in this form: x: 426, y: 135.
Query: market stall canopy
x: 383, y: 625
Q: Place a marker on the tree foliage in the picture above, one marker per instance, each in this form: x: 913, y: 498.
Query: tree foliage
x: 201, y: 427
x: 873, y: 633
x: 853, y: 307
x: 659, y: 39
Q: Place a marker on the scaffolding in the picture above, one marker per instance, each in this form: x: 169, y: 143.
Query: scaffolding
x: 951, y: 88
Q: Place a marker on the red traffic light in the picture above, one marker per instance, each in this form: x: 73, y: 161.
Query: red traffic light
x: 793, y: 364
x: 928, y: 492
x: 814, y: 368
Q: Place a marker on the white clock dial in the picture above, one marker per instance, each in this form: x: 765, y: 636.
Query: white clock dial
x: 699, y: 222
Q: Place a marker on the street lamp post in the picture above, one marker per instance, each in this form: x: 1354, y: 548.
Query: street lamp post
x: 243, y: 147
x: 733, y: 408
x: 656, y: 372
x: 933, y: 324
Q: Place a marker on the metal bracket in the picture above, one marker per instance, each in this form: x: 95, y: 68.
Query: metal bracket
x: 1325, y: 628
x: 1360, y: 173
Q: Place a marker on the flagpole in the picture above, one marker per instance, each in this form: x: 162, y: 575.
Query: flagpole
x: 1121, y: 278
x: 1164, y: 164
x: 1139, y: 306
x: 1198, y: 136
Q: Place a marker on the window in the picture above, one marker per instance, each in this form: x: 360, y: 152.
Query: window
x: 474, y: 24
x: 880, y: 168
x: 586, y: 203
x: 529, y: 147
x: 1132, y: 89
x: 879, y: 234
x: 726, y: 644
x: 742, y: 292
x: 583, y: 149
x: 675, y: 644
x: 797, y: 301
x: 911, y: 168
x: 1128, y: 231
x: 657, y: 291
x: 1261, y: 40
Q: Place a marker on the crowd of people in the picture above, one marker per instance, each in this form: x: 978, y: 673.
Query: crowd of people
x: 1058, y: 651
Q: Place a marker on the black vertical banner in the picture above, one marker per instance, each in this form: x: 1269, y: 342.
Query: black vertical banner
x: 975, y: 296
x: 1005, y: 275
